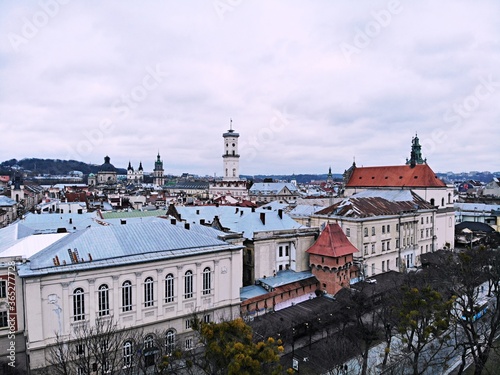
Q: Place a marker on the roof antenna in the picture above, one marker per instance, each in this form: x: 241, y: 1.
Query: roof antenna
x: 230, y: 124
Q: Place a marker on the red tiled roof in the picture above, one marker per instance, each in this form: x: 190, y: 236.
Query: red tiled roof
x: 332, y: 242
x: 421, y: 175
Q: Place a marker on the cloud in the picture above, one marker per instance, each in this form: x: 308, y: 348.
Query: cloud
x: 77, y: 87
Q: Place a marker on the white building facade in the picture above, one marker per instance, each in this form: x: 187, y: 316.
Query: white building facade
x: 151, y: 276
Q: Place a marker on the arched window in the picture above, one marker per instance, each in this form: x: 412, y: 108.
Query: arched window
x: 148, y: 292
x: 103, y: 300
x: 207, y: 284
x: 188, y: 284
x: 149, y: 351
x: 78, y: 305
x: 449, y: 197
x: 127, y: 296
x: 127, y: 354
x: 442, y: 202
x: 432, y: 201
x: 169, y: 342
x: 169, y: 288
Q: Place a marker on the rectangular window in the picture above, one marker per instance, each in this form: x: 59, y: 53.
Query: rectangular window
x: 388, y: 267
x: 366, y: 232
x: 206, y: 318
x: 421, y: 233
x: 373, y: 248
x: 373, y: 269
x: 80, y: 349
x: 4, y: 321
x: 388, y: 228
x: 187, y: 324
x: 3, y: 288
x: 287, y: 250
x: 188, y: 344
x: 348, y: 232
x: 366, y: 249
x: 397, y: 227
x: 383, y: 246
x: 383, y: 266
x: 388, y: 245
x: 373, y: 231
x: 383, y: 228
x: 280, y: 251
x: 397, y: 243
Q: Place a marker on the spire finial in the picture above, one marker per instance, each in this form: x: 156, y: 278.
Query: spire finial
x: 230, y: 124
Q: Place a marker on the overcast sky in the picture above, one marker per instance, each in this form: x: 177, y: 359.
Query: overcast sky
x: 307, y: 84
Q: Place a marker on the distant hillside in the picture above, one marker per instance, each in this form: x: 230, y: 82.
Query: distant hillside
x: 35, y: 166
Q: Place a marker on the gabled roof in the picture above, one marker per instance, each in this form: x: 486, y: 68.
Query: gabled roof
x: 332, y: 242
x: 377, y: 203
x: 421, y: 175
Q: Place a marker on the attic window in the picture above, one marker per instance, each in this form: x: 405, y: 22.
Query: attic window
x: 400, y: 177
x: 373, y: 177
x: 415, y: 177
x: 360, y: 177
x: 386, y: 177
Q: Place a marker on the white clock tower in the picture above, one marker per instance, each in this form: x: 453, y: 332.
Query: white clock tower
x: 231, y: 158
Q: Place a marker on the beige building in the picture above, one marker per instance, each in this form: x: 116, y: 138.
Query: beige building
x: 152, y: 276
x: 389, y: 228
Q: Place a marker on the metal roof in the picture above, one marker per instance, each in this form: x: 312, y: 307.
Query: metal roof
x: 106, y: 246
x: 270, y: 188
x: 239, y: 219
x: 285, y: 277
x: 377, y: 203
x: 6, y: 201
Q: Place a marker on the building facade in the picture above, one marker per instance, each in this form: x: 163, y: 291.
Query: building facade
x: 135, y: 176
x: 390, y: 229
x: 152, y: 276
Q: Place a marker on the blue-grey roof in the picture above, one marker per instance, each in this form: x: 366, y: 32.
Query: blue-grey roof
x: 304, y: 210
x: 6, y: 201
x: 271, y: 188
x: 108, y: 246
x: 284, y: 278
x: 12, y: 233
x: 251, y: 291
x: 49, y: 223
x: 239, y: 219
x: 388, y: 194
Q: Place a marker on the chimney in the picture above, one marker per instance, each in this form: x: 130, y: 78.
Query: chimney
x: 70, y: 220
x: 123, y: 222
x: 197, y: 212
x: 186, y: 225
x: 263, y: 218
x: 173, y: 221
x: 253, y: 209
x: 202, y: 221
x: 280, y: 213
x: 241, y: 213
x: 236, y: 211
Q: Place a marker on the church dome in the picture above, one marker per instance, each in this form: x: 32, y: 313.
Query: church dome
x: 107, y: 166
